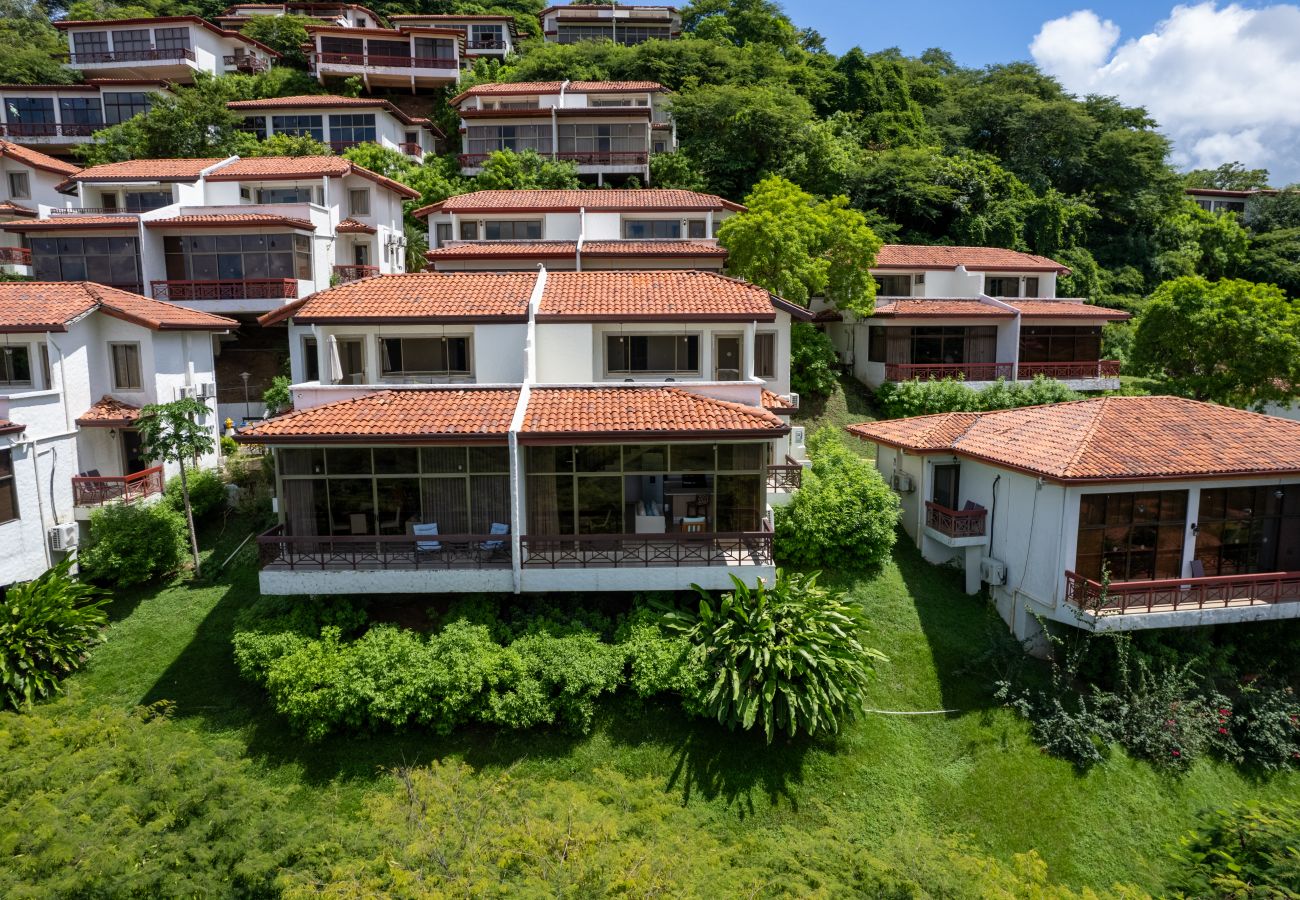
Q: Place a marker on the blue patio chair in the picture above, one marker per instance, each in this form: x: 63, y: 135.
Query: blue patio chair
x: 425, y: 529
x: 497, y: 528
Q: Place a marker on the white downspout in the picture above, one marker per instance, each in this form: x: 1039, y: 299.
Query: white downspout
x: 67, y: 420
x: 555, y: 121
x: 582, y: 238
x: 516, y: 425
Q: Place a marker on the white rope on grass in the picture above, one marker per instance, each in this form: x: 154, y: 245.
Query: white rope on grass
x: 908, y: 712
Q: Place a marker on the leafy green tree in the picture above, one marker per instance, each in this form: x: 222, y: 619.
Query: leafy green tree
x: 194, y: 122
x: 1278, y: 212
x: 1230, y: 341
x: 1200, y: 242
x: 675, y: 170
x: 875, y: 90
x: 284, y: 34
x: 1274, y: 258
x: 282, y: 144
x: 32, y: 46
x: 171, y: 432
x: 506, y: 170
x: 742, y: 22
x: 799, y: 247
x: 812, y: 361
x: 134, y: 543
x: 1231, y: 176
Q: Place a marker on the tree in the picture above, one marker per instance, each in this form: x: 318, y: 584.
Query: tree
x: 506, y: 170
x: 31, y: 46
x: 1200, y: 242
x: 282, y: 144
x: 875, y: 90
x: 1231, y: 176
x: 1231, y: 341
x: 812, y: 361
x: 1274, y: 258
x: 675, y: 170
x: 194, y: 122
x: 284, y: 34
x: 171, y: 432
x: 798, y: 246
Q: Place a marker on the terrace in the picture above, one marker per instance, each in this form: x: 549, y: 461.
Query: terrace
x: 102, y: 490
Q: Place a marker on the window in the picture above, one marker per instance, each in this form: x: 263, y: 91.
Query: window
x: 172, y: 38
x: 1059, y: 343
x: 20, y: 185
x: 143, y: 201
x: 132, y: 41
x: 339, y: 46
x: 696, y: 228
x: 310, y: 360
x: 469, y: 231
x: 424, y: 356
x: 660, y: 146
x: 433, y: 51
x: 1133, y: 536
x: 352, y: 360
x: 524, y: 230
x: 359, y: 202
x: 114, y: 261
x: 90, y: 46
x: 234, y: 257
x: 947, y: 482
x: 765, y: 354
x: 30, y: 111
x: 651, y: 229
x: 585, y: 139
x: 1031, y: 287
x: 483, y: 139
x: 1002, y: 287
x: 441, y: 234
x: 254, y: 125
x: 299, y: 126
x: 126, y: 366
x: 81, y: 111
x: 15, y: 365
x: 894, y: 285
x: 352, y: 128
x: 677, y: 354
x: 305, y: 194
x: 1244, y: 530
x: 47, y: 377
x: 8, y: 488
x: 877, y: 342
x: 119, y: 106
x: 954, y: 344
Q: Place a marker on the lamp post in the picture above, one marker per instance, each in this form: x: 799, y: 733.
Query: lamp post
x: 247, y: 412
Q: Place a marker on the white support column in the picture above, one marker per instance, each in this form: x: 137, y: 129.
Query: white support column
x: 747, y: 352
x: 1189, y: 534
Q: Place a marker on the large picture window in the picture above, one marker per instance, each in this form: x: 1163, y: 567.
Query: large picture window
x: 8, y: 487
x: 1131, y: 536
x: 431, y: 356
x: 132, y: 41
x: 520, y: 230
x: 893, y: 285
x: 1245, y: 530
x: 119, y: 106
x: 612, y: 138
x: 81, y: 111
x: 90, y: 46
x: 669, y: 354
x: 1002, y: 286
x: 352, y: 128
x: 220, y: 257
x: 651, y: 229
x: 1059, y: 343
x: 299, y: 126
x: 491, y: 138
x: 30, y: 110
x: 114, y: 261
x: 948, y: 344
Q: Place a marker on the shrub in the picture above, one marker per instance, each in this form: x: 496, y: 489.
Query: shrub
x: 661, y: 660
x: 557, y: 680
x: 207, y: 492
x: 900, y: 399
x: 1245, y: 851
x: 46, y: 627
x: 133, y: 544
x: 790, y: 657
x: 278, y: 398
x: 229, y: 446
x: 844, y: 516
x: 812, y: 361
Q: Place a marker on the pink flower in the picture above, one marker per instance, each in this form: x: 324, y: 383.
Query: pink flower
x: 1225, y: 712
x: 1223, y: 731
x: 1176, y: 753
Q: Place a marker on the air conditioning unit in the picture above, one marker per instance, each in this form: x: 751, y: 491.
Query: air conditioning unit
x: 794, y: 400
x: 993, y: 571
x: 206, y: 390
x: 62, y: 537
x: 902, y: 482
x: 185, y: 390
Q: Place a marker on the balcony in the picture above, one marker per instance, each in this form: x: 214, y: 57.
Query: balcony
x: 411, y: 149
x: 606, y: 157
x: 354, y: 273
x: 373, y: 61
x: 638, y: 551
x: 785, y: 477
x: 249, y: 65
x: 489, y: 44
x: 957, y: 371
x: 280, y: 552
x: 100, y: 490
x: 15, y: 256
x: 1069, y: 371
x: 955, y: 523
x: 1223, y: 592
x: 47, y: 132
x: 99, y: 211
x: 169, y: 54
x: 245, y: 289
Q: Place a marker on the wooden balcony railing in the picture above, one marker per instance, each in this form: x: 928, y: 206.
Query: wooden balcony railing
x: 16, y: 256
x: 27, y: 130
x: 787, y: 476
x: 374, y: 61
x: 354, y: 273
x: 410, y: 149
x: 1172, y: 594
x: 1104, y: 368
x: 956, y: 523
x: 606, y: 157
x: 622, y: 551
x: 399, y: 552
x: 486, y: 44
x: 100, y: 489
x: 245, y: 63
x: 958, y: 371
x: 167, y: 54
x: 100, y: 211
x: 247, y: 289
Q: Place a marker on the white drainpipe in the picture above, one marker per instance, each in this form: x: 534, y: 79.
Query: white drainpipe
x: 582, y: 238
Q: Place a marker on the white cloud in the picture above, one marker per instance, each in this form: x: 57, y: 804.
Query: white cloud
x: 1223, y: 81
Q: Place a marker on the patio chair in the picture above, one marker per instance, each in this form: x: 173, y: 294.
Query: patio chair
x: 425, y: 529
x: 496, y: 528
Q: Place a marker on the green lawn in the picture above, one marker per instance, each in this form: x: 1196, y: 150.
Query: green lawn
x: 972, y: 773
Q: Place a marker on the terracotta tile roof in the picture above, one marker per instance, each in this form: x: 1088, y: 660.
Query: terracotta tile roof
x: 930, y: 307
x: 991, y: 259
x: 416, y: 297
x: 230, y: 220
x: 643, y: 296
x: 9, y: 208
x: 109, y: 413
x: 71, y: 223
x: 1066, y: 309
x: 595, y: 200
x: 278, y: 167
x: 568, y: 249
x: 166, y: 20
x: 1108, y: 439
x: 575, y: 413
x: 51, y: 305
x: 461, y: 415
x: 776, y: 403
x: 328, y: 101
x: 828, y: 315
x: 148, y: 170
x: 8, y: 427
x: 653, y: 248
x: 352, y: 226
x: 35, y: 159
x: 510, y: 88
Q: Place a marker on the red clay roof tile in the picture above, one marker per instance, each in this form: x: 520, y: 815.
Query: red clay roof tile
x: 72, y: 223
x: 416, y: 297
x: 941, y: 308
x: 352, y: 226
x: 278, y: 167
x: 992, y: 259
x: 577, y: 413
x: 230, y: 220
x: 109, y: 412
x: 1066, y: 309
x: 509, y: 88
x: 35, y: 159
x: 148, y: 170
x: 460, y: 415
x: 612, y: 200
x: 50, y: 305
x: 641, y: 296
x: 326, y: 101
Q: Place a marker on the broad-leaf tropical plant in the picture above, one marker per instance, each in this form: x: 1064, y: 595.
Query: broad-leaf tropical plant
x: 788, y: 656
x: 173, y: 432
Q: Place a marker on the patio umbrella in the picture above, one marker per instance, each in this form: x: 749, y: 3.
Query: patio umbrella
x: 336, y: 364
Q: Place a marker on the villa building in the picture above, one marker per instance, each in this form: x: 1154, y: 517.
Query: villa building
x: 169, y: 49
x: 973, y: 313
x: 531, y: 432
x: 79, y: 361
x: 1217, y: 200
x: 345, y: 15
x: 28, y: 180
x: 58, y: 117
x: 615, y: 22
x: 608, y: 128
x: 1114, y: 513
x: 408, y: 58
x: 504, y: 231
x: 341, y: 122
x: 486, y: 36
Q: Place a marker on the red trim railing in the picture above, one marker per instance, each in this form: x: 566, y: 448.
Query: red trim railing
x: 99, y: 211
x: 100, y: 489
x: 787, y: 476
x: 354, y: 273
x: 958, y: 371
x: 621, y: 551
x: 1103, y: 368
x: 606, y: 157
x: 24, y: 130
x: 249, y: 289
x: 164, y: 55
x: 372, y: 61
x: 410, y: 149
x: 396, y: 552
x: 955, y: 523
x: 492, y: 44
x: 17, y: 256
x: 1172, y: 594
x: 245, y: 62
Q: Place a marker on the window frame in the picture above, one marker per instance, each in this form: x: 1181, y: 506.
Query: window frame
x: 445, y: 372
x: 23, y: 178
x: 765, y: 357
x: 8, y: 370
x: 130, y: 346
x: 686, y: 337
x: 358, y: 209
x: 9, y: 482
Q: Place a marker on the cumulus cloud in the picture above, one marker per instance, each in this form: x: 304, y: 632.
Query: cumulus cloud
x: 1222, y: 80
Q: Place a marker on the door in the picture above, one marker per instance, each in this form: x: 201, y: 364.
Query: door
x: 361, y: 254
x: 947, y: 485
x: 133, y: 458
x: 726, y: 358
